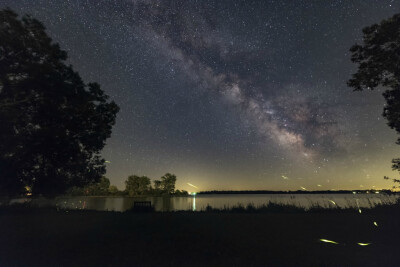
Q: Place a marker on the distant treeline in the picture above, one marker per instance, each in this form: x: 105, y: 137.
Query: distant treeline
x: 373, y: 191
x: 134, y: 186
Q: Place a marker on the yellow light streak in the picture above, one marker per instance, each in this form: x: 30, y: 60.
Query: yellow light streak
x: 329, y: 241
x: 364, y: 244
x: 192, y: 185
x: 358, y: 206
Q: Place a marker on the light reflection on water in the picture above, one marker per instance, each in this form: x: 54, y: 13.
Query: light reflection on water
x: 200, y: 202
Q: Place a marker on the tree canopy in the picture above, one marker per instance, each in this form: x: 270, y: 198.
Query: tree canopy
x: 168, y: 183
x: 137, y: 185
x: 101, y: 188
x: 141, y: 185
x: 378, y: 61
x: 53, y: 125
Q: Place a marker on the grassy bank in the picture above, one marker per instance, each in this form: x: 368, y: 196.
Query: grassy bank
x: 47, y: 237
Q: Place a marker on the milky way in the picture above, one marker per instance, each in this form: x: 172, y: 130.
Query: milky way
x: 184, y: 36
x: 230, y: 94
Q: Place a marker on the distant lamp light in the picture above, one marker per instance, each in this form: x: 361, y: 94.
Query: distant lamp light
x: 28, y: 190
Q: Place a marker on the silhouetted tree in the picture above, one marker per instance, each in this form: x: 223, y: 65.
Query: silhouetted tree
x: 53, y: 125
x: 181, y: 193
x: 157, y: 190
x: 137, y: 185
x: 100, y: 188
x: 113, y: 190
x: 168, y: 183
x: 378, y: 61
x: 157, y: 184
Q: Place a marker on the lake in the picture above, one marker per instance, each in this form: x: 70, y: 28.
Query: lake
x: 200, y: 202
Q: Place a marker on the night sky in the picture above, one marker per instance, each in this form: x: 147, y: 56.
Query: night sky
x: 230, y: 94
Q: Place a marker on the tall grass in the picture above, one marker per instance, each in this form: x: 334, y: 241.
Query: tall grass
x: 315, y: 207
x: 251, y: 208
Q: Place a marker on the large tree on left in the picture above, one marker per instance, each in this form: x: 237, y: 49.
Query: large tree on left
x: 52, y: 125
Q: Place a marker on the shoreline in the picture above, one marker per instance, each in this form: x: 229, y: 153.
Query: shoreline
x: 213, y: 203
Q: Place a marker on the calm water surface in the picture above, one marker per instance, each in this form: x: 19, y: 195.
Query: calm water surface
x: 200, y: 202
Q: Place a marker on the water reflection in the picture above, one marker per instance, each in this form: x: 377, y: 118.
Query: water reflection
x: 168, y: 204
x: 200, y: 202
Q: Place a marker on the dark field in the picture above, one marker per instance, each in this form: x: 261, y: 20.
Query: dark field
x: 84, y: 238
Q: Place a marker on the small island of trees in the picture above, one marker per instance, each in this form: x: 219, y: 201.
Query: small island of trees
x: 134, y: 186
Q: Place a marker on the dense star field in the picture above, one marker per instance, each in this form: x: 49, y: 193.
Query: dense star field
x: 230, y: 94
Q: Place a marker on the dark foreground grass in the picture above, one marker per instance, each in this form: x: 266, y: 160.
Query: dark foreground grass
x: 47, y: 237
x: 273, y: 207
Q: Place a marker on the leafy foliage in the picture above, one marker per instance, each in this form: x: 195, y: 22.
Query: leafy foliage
x: 113, y: 190
x: 141, y: 185
x: 157, y: 185
x: 168, y: 183
x: 53, y: 125
x: 378, y: 65
x: 378, y: 57
x: 181, y: 193
x: 100, y: 188
x: 137, y: 185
